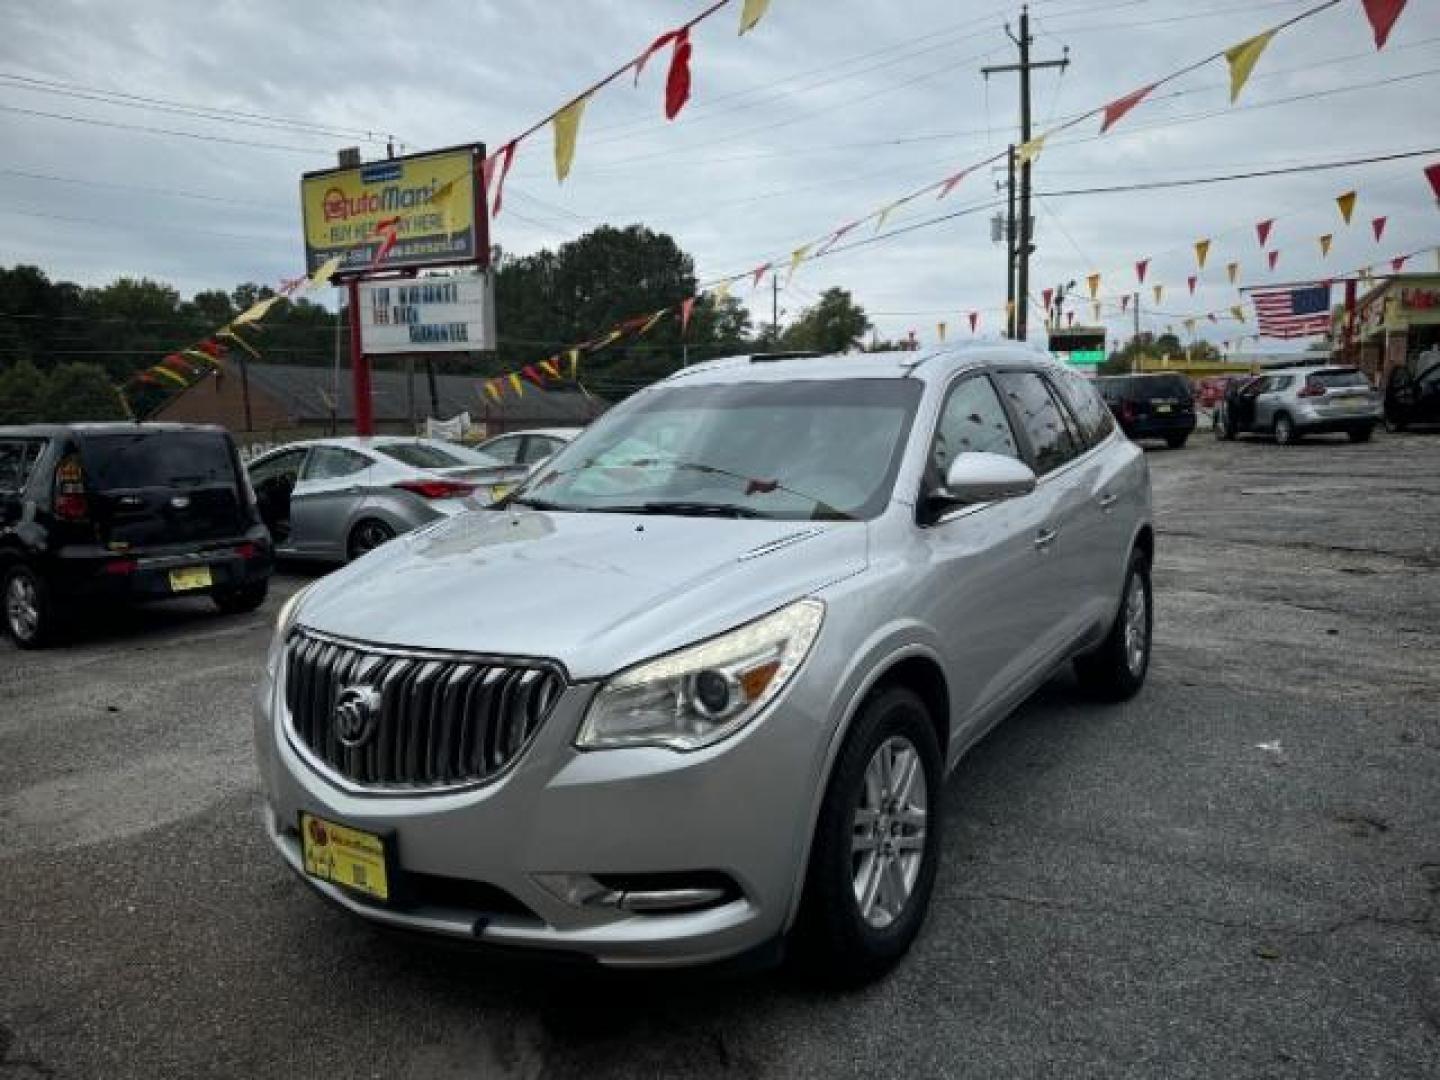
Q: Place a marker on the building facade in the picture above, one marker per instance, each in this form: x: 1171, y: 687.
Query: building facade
x: 1393, y: 323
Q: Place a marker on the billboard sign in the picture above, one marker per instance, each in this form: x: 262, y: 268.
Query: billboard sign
x: 1079, y: 346
x: 429, y: 202
x: 453, y: 313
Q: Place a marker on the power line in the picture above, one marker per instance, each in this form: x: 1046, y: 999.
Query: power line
x: 149, y: 130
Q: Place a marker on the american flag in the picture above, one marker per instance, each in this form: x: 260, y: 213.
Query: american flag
x: 1297, y: 311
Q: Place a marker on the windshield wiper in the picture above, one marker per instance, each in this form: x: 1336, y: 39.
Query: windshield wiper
x: 681, y: 508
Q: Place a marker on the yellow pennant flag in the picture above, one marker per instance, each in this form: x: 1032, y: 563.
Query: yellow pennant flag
x: 1202, y: 251
x: 796, y: 258
x: 650, y: 322
x: 165, y: 372
x: 574, y: 357
x: 752, y: 13
x: 230, y: 335
x: 195, y: 356
x: 1325, y: 242
x: 1238, y: 312
x: 1234, y: 271
x: 516, y: 384
x: 1028, y: 152
x: 491, y: 390
x: 1243, y: 58
x: 550, y: 368
x: 324, y: 272
x: 721, y: 292
x: 941, y: 329
x: 256, y: 311
x: 567, y: 127
x: 1159, y: 292
x: 1094, y: 282
x: 885, y: 213
x: 1346, y: 203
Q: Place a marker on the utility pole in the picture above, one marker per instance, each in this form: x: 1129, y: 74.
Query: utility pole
x: 1010, y: 237
x: 1135, y: 352
x: 1025, y: 247
x: 775, y: 307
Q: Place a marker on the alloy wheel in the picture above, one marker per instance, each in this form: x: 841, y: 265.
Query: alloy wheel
x: 22, y: 607
x: 888, y: 831
x: 370, y: 535
x: 1137, y: 629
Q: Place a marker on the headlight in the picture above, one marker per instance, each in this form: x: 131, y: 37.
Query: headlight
x: 704, y: 693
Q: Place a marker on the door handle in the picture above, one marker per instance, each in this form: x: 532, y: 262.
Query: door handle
x: 1044, y: 538
x: 1107, y: 500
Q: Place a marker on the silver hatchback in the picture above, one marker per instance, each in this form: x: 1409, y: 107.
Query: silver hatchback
x: 693, y: 691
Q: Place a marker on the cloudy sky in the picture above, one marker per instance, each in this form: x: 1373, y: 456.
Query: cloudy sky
x: 826, y: 111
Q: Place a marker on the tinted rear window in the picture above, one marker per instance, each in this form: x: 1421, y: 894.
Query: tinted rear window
x: 156, y: 459
x: 421, y: 456
x: 1339, y: 377
x: 1162, y: 386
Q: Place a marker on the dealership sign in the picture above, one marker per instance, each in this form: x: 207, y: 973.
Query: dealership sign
x: 454, y: 313
x: 424, y: 206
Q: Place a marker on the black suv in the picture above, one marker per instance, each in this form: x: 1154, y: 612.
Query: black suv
x: 1412, y: 392
x: 1151, y: 406
x: 94, y: 513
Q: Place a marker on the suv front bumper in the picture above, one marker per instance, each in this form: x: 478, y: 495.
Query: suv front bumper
x: 737, y: 811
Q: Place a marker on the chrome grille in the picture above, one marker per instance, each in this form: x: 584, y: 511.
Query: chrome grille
x: 440, y: 720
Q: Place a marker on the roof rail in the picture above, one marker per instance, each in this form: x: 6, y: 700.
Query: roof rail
x: 772, y: 357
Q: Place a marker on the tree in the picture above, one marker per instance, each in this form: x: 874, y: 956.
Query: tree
x: 22, y: 394
x: 835, y: 324
x: 82, y: 392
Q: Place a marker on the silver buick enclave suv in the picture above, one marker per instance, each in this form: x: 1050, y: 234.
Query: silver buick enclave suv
x: 693, y: 692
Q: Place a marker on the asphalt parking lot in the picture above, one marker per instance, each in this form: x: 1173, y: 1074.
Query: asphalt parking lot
x: 1236, y: 874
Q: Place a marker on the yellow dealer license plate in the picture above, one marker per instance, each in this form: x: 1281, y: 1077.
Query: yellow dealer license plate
x: 499, y: 491
x: 344, y: 856
x: 191, y: 577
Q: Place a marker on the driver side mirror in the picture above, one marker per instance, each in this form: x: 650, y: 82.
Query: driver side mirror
x: 979, y: 477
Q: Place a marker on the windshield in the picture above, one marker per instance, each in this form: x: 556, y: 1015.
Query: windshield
x: 797, y: 450
x: 429, y: 456
x: 156, y: 459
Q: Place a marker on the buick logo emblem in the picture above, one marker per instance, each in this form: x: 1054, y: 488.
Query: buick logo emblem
x: 357, y: 713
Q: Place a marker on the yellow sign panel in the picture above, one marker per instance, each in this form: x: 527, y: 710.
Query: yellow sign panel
x: 420, y: 211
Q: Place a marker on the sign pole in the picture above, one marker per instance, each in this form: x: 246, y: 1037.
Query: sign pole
x: 359, y: 366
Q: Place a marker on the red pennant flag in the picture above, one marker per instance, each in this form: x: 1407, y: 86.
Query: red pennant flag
x: 677, y: 81
x: 504, y: 157
x: 1274, y: 258
x: 1140, y: 268
x: 174, y: 363
x: 1432, y: 173
x: 1192, y: 281
x: 1379, y: 226
x: 1048, y: 295
x: 1120, y: 106
x: 836, y: 237
x: 756, y: 276
x: 974, y: 320
x: 686, y: 307
x: 1382, y: 15
x: 654, y: 47
x: 1398, y: 263
x: 212, y: 348
x: 534, y: 376
x: 1262, y: 230
x: 950, y: 183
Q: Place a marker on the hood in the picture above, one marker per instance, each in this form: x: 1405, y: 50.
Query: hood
x: 597, y: 592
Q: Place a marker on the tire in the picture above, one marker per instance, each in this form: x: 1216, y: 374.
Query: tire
x: 1285, y: 433
x: 835, y: 942
x: 31, y: 615
x: 367, y: 535
x: 241, y: 599
x: 1116, y: 670
x: 1224, y: 430
x: 1395, y: 424
x: 1360, y: 434
x: 1176, y: 442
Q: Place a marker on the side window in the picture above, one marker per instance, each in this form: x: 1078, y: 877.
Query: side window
x: 537, y: 448
x: 1280, y: 383
x: 17, y: 458
x: 1051, y: 443
x: 1089, y: 409
x: 281, y: 465
x: 972, y: 419
x: 333, y: 462
x: 504, y: 450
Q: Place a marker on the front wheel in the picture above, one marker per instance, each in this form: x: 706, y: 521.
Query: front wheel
x: 31, y: 614
x: 1360, y: 434
x: 1116, y: 670
x: 1394, y: 422
x: 877, y: 843
x: 1176, y: 442
x: 241, y: 599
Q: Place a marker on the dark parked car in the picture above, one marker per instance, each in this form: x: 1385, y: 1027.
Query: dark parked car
x: 1412, y: 392
x: 113, y: 513
x: 1151, y: 406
